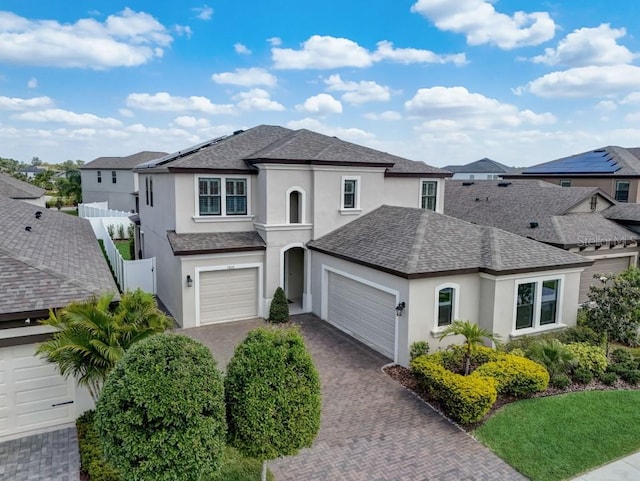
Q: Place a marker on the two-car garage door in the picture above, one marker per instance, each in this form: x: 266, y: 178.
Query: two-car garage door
x: 227, y: 295
x: 363, y: 311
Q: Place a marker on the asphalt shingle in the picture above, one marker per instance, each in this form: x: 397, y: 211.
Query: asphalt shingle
x: 122, y: 163
x: 18, y: 189
x: 212, y: 242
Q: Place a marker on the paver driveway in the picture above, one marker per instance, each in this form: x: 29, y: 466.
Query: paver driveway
x: 372, y: 429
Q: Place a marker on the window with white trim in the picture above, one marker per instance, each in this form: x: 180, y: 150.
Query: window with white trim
x: 222, y: 196
x: 114, y: 177
x: 350, y: 194
x: 146, y: 189
x: 537, y: 303
x: 446, y: 298
x: 236, y: 196
x: 209, y: 196
x: 99, y: 172
x: 565, y: 183
x: 429, y: 194
x: 622, y: 191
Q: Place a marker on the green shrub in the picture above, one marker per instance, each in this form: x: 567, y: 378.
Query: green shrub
x: 132, y: 248
x: 418, y: 348
x: 515, y: 375
x: 581, y: 334
x: 587, y: 356
x: 279, y: 310
x: 621, y: 355
x: 632, y: 376
x: 623, y: 366
x: 111, y: 230
x: 582, y: 375
x: 452, y: 357
x: 161, y: 414
x: 552, y: 354
x: 608, y: 378
x: 466, y: 399
x: 517, y: 352
x: 121, y: 231
x: 524, y: 342
x: 91, y: 454
x: 560, y: 380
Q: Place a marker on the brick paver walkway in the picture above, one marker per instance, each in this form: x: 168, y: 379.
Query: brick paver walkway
x: 372, y: 429
x: 50, y: 456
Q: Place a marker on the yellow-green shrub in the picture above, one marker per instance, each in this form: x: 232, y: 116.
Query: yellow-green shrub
x: 589, y: 357
x: 515, y: 375
x: 466, y: 399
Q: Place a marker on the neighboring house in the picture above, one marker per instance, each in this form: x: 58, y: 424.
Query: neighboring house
x: 571, y: 218
x: 31, y: 171
x: 113, y: 180
x: 21, y: 190
x: 625, y: 214
x: 481, y: 169
x: 615, y: 170
x: 231, y: 219
x: 47, y: 259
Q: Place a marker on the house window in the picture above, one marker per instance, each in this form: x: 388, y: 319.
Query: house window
x: 236, y: 196
x: 294, y: 207
x: 428, y: 195
x: 622, y: 191
x: 99, y: 177
x: 151, y: 191
x: 146, y: 190
x: 445, y: 306
x: 472, y: 176
x: 209, y: 198
x: 594, y: 202
x: 537, y: 304
x: 113, y: 177
x: 565, y: 183
x: 349, y: 198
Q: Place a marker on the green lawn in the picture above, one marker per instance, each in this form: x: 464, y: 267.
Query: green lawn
x: 70, y: 212
x: 559, y: 437
x: 123, y: 247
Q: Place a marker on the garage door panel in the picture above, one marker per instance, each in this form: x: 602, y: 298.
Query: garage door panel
x: 227, y: 295
x: 365, y: 312
x: 614, y: 265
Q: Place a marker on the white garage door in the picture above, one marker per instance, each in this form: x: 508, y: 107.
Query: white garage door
x: 614, y: 265
x: 228, y: 295
x: 367, y: 313
x: 33, y: 395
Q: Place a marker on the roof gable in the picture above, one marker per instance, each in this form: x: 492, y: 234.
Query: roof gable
x: 18, y: 189
x: 122, y: 163
x: 482, y: 166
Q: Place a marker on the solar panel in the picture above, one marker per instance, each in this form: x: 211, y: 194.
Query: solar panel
x: 594, y: 162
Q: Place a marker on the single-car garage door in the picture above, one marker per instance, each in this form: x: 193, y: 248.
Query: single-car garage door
x: 33, y: 395
x: 613, y: 265
x: 367, y: 313
x: 228, y: 295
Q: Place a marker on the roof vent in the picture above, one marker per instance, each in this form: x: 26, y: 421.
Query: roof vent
x: 468, y: 183
x: 477, y: 199
x: 504, y: 184
x: 38, y: 214
x: 533, y: 225
x: 238, y: 132
x: 28, y: 228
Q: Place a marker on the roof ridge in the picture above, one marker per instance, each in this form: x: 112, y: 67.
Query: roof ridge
x: 416, y: 248
x: 557, y: 229
x: 488, y: 237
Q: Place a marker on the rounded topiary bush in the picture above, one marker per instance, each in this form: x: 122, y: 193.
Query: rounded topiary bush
x: 272, y: 392
x: 161, y: 413
x: 515, y: 375
x: 589, y: 357
x: 608, y: 378
x: 279, y: 310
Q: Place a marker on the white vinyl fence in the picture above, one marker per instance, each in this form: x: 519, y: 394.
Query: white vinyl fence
x: 129, y: 274
x: 99, y: 209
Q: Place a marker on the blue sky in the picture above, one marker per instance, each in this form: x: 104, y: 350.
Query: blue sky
x: 440, y: 81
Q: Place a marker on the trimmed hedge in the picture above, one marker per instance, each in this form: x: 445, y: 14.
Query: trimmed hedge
x: 587, y: 356
x: 515, y: 375
x: 91, y: 453
x: 466, y: 399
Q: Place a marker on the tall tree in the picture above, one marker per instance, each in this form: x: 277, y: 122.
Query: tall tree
x: 36, y: 161
x: 473, y: 335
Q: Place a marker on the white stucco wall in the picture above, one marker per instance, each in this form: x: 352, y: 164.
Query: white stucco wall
x: 118, y: 195
x: 407, y: 192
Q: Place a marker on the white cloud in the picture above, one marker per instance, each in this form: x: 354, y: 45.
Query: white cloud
x: 589, y: 81
x: 203, y: 13
x: 321, y: 104
x: 325, y: 52
x: 246, y: 77
x: 257, y: 99
x: 407, y: 56
x: 241, y: 49
x: 386, y: 115
x: 32, y: 83
x: 164, y: 102
x: 632, y: 98
x: 351, y: 134
x: 358, y: 92
x: 452, y: 108
x: 189, y: 122
x: 482, y: 24
x: 606, y: 106
x: 126, y: 39
x: 183, y: 30
x: 126, y: 113
x: 68, y: 117
x: 588, y: 46
x: 275, y: 41
x: 17, y: 104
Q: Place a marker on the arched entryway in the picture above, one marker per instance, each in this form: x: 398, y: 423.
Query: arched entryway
x: 293, y: 270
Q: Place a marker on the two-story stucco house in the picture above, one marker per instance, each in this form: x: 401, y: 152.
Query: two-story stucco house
x: 113, y: 180
x: 352, y: 234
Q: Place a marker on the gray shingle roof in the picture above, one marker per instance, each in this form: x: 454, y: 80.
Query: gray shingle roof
x: 515, y: 206
x: 623, y: 212
x: 18, y: 189
x: 122, y: 163
x: 482, y: 166
x: 269, y: 143
x: 57, y: 262
x: 412, y: 242
x: 212, y: 242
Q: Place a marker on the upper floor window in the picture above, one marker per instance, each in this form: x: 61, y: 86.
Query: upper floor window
x: 151, y: 191
x: 114, y: 179
x: 350, y: 194
x: 593, y: 203
x: 99, y: 176
x: 622, y: 191
x: 212, y: 190
x: 445, y: 306
x: 537, y: 304
x: 294, y: 207
x: 146, y: 190
x: 429, y: 194
x: 565, y: 183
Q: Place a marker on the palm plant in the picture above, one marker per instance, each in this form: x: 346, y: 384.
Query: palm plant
x: 473, y: 335
x: 552, y: 354
x: 93, y: 335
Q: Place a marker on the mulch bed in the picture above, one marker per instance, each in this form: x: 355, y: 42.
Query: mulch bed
x: 404, y: 376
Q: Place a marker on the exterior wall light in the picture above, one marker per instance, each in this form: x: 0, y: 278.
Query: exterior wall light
x: 189, y: 281
x: 399, y: 308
